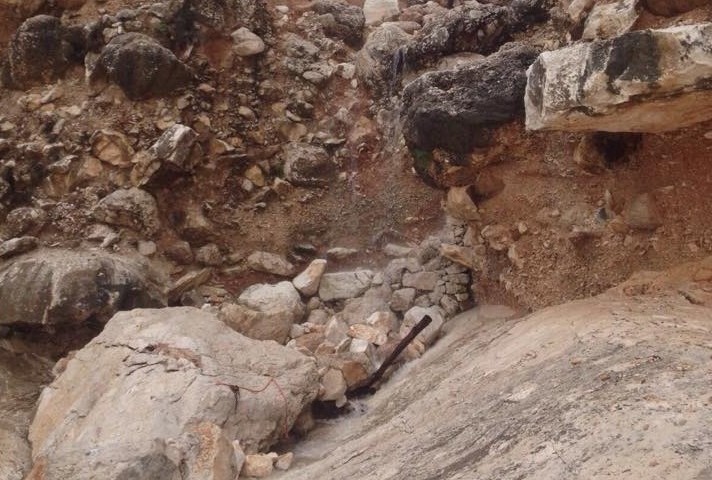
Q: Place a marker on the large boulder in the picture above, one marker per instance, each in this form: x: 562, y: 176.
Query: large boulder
x: 141, y: 66
x: 21, y: 379
x: 62, y: 287
x: 164, y: 394
x: 341, y: 20
x: 456, y: 109
x: 643, y: 81
x: 41, y: 50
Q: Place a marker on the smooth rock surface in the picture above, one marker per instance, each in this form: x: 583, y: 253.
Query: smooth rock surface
x: 165, y: 393
x: 609, y: 387
x: 643, y: 81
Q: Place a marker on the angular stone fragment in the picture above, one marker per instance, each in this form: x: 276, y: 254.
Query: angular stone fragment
x: 643, y: 81
x: 422, y: 280
x: 367, y: 332
x: 247, y: 43
x: 270, y: 263
x: 343, y: 285
x: 307, y: 282
x: 402, y: 299
x: 133, y: 208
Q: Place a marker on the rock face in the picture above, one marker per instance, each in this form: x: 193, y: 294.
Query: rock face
x: 55, y: 287
x: 21, y: 377
x: 41, y: 50
x: 456, y: 109
x: 141, y: 67
x: 643, y: 81
x: 629, y: 379
x: 165, y: 393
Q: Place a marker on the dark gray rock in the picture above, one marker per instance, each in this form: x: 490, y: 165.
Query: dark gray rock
x: 456, y: 109
x: 41, y: 50
x: 55, y: 287
x: 308, y: 165
x: 141, y: 67
x: 472, y: 27
x: 348, y: 20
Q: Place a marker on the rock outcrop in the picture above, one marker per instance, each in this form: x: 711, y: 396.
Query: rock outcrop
x: 456, y: 109
x: 643, y: 81
x: 165, y: 393
x: 62, y: 287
